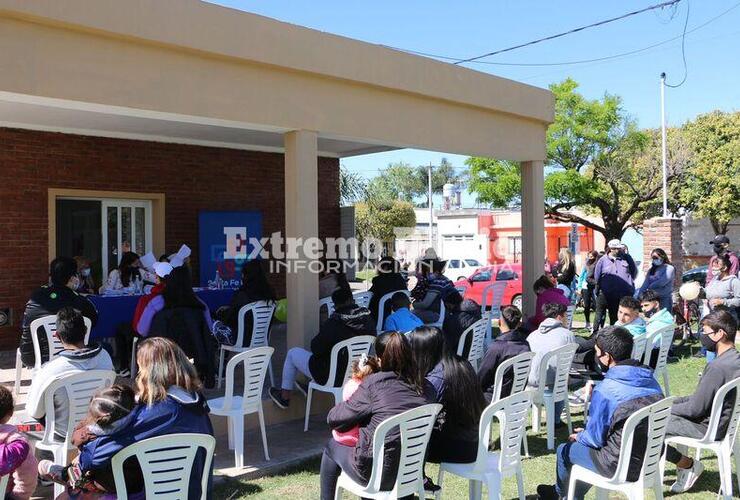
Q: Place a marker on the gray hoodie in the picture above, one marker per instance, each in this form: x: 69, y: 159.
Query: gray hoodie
x: 550, y: 335
x: 727, y: 289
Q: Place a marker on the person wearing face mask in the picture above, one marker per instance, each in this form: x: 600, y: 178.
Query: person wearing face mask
x: 126, y: 273
x: 660, y: 277
x: 721, y: 246
x: 614, y: 274
x: 586, y: 285
x: 724, y: 289
x: 87, y: 285
x: 655, y: 318
x: 690, y: 414
x: 627, y: 387
x: 49, y: 299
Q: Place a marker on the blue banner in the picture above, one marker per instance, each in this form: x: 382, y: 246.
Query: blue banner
x: 225, y: 243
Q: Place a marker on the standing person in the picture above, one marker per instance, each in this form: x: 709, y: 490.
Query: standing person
x: 75, y: 358
x: 390, y: 392
x: 660, y: 277
x: 721, y: 247
x: 17, y: 460
x: 49, y: 299
x: 614, y: 274
x: 125, y: 274
x: 348, y: 320
x: 387, y: 280
x: 170, y: 401
x: 546, y: 293
x: 565, y: 271
x: 690, y: 414
x: 511, y: 342
x: 627, y: 387
x: 550, y: 335
x: 587, y: 283
x: 724, y: 288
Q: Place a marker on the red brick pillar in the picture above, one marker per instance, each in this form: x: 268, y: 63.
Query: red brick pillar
x: 665, y: 233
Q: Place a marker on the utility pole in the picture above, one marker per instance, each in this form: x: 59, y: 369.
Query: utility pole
x: 665, y: 145
x: 431, y: 210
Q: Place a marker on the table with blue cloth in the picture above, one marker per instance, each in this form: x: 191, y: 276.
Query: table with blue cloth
x: 116, y: 309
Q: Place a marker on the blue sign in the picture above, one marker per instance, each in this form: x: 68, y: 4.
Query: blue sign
x: 225, y: 243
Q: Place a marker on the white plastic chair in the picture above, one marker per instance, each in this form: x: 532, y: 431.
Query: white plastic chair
x: 725, y: 447
x: 355, y: 347
x: 657, y: 415
x: 639, y: 344
x: 415, y: 427
x: 477, y: 345
x: 569, y: 316
x: 235, y: 407
x: 492, y: 467
x: 362, y: 299
x: 48, y: 325
x: 166, y: 462
x: 262, y: 312
x: 665, y: 337
x: 328, y: 303
x: 442, y: 312
x: 381, y: 307
x: 78, y: 390
x: 4, y: 482
x: 496, y: 291
x: 521, y: 365
x: 546, y: 398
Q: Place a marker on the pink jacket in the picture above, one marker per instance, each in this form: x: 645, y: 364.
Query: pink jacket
x: 17, y: 457
x: 549, y: 296
x: 350, y: 437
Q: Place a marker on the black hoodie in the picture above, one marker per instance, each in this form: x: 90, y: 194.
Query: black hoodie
x: 346, y: 322
x: 505, y: 347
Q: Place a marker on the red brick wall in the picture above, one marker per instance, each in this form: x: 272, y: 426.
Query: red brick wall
x: 193, y: 178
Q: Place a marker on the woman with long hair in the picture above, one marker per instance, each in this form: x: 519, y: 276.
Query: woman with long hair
x: 170, y: 401
x: 587, y: 285
x: 393, y: 390
x: 387, y: 280
x: 565, y: 271
x: 254, y: 288
x: 126, y: 273
x: 546, y: 293
x: 427, y: 348
x: 660, y: 277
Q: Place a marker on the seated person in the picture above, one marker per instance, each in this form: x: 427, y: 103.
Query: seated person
x: 511, y: 342
x: 628, y: 316
x: 401, y: 320
x: 348, y: 320
x: 75, y: 358
x: 127, y: 272
x: 86, y: 284
x: 49, y: 299
x: 387, y: 280
x: 17, y: 460
x: 459, y: 316
x: 690, y: 414
x: 627, y: 387
x: 655, y: 319
x: 546, y: 293
x: 550, y: 335
x: 438, y: 287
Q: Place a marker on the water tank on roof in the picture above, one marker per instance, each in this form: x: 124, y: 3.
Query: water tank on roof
x: 448, y: 190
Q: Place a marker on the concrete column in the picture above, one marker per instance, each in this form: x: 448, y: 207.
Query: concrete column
x: 301, y: 221
x: 533, y: 230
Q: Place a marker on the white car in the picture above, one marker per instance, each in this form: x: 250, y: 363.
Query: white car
x: 458, y: 269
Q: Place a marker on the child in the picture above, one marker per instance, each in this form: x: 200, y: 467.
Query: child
x: 401, y: 320
x: 16, y: 454
x: 361, y: 368
x: 111, y: 409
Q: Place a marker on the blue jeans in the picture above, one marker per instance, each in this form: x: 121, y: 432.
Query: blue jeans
x: 568, y: 455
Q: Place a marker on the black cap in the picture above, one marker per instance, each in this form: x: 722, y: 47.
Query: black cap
x: 720, y: 239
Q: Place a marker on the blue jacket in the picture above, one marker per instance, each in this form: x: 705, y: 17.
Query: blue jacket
x: 627, y: 387
x: 661, y: 280
x: 181, y: 412
x: 402, y: 321
x: 615, y: 277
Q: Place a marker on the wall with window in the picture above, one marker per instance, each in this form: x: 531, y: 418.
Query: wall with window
x: 188, y: 178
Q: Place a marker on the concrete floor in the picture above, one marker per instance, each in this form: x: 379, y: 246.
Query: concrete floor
x: 287, y: 443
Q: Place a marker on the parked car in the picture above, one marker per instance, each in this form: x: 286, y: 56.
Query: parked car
x: 510, y: 273
x: 459, y: 269
x: 697, y: 274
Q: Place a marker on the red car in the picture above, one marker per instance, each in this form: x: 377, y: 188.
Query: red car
x: 511, y: 273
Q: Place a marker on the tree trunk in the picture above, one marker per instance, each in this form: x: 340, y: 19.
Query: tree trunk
x: 719, y: 227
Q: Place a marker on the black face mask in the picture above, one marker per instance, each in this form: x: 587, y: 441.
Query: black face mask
x: 719, y: 249
x: 649, y: 313
x: 709, y: 344
x: 604, y: 368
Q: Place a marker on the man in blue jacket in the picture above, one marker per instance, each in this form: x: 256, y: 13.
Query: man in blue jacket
x: 627, y: 387
x: 614, y: 274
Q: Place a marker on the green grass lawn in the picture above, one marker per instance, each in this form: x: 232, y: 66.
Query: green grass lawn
x: 365, y: 274
x: 302, y: 482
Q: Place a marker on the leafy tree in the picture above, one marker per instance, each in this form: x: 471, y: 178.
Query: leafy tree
x: 379, y: 218
x: 597, y: 161
x: 404, y: 182
x: 712, y: 187
x: 352, y: 186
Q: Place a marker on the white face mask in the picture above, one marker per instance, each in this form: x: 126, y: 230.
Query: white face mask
x: 85, y: 273
x: 716, y: 272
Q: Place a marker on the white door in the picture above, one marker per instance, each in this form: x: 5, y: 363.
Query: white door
x: 126, y: 226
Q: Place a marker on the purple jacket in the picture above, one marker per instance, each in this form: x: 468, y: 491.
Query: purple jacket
x: 549, y: 296
x: 616, y: 277
x: 153, y: 307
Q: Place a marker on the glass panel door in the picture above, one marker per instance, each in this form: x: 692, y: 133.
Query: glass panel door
x: 127, y: 227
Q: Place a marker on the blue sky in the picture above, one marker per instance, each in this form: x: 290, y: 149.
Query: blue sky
x: 469, y: 28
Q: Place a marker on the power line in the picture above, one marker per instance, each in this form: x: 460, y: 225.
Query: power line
x: 581, y: 61
x: 569, y: 32
x: 683, y: 50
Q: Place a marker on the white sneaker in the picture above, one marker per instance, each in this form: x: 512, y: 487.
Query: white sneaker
x: 685, y: 478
